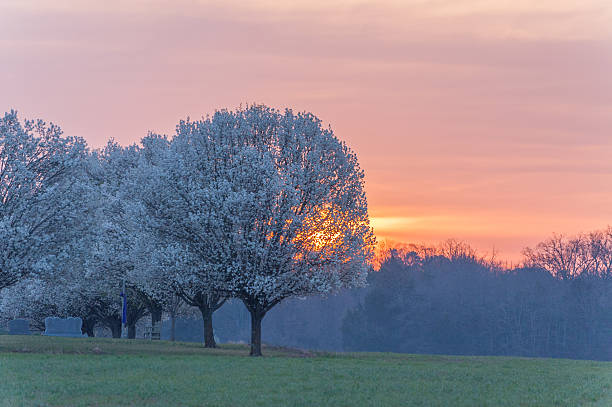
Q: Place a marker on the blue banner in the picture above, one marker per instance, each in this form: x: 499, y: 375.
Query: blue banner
x: 124, y: 310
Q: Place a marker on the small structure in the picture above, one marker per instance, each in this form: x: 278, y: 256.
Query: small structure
x: 69, y: 327
x: 152, y: 332
x: 19, y: 327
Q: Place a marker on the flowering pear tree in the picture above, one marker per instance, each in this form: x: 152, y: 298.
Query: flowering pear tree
x: 40, y: 183
x: 31, y: 299
x: 87, y: 282
x: 181, y: 239
x: 272, y: 204
x: 119, y: 245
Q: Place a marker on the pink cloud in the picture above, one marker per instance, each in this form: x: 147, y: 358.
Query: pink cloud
x: 480, y: 112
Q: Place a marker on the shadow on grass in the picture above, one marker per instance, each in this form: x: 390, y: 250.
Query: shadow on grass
x: 109, y: 346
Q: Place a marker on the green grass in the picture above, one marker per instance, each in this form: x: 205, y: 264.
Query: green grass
x: 43, y: 371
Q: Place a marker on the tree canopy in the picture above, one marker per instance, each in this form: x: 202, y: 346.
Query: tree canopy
x: 41, y: 176
x: 270, y: 203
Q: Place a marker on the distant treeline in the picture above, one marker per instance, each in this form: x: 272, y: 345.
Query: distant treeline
x: 448, y: 300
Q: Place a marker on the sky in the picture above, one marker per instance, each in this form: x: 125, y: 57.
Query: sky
x: 488, y: 121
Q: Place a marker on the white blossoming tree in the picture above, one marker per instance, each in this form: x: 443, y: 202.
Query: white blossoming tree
x: 88, y: 282
x: 269, y: 204
x: 180, y: 256
x: 41, y: 180
x: 120, y: 248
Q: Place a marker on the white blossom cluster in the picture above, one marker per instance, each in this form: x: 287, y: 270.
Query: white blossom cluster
x: 255, y: 204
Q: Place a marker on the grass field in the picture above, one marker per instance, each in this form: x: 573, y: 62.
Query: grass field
x: 44, y: 371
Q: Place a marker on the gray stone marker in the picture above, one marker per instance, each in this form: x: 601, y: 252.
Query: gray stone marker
x: 185, y: 330
x: 19, y: 327
x: 69, y: 327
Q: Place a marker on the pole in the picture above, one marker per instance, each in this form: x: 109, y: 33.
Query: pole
x: 124, y: 329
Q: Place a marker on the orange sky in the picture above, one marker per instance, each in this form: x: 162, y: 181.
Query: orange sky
x: 488, y: 121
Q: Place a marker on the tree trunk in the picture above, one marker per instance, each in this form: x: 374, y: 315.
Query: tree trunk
x: 136, y: 309
x: 115, y: 327
x: 208, y: 303
x: 156, y: 314
x: 172, y: 327
x: 209, y: 334
x: 132, y: 331
x: 89, y: 330
x: 258, y: 312
x: 88, y: 327
x: 256, y: 318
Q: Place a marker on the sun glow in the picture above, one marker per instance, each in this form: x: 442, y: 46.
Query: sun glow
x: 321, y: 231
x: 327, y: 234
